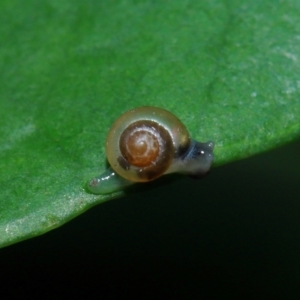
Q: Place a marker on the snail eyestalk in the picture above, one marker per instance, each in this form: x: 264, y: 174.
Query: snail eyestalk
x: 196, y: 162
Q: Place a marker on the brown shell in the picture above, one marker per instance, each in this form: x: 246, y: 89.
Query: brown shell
x: 142, y: 144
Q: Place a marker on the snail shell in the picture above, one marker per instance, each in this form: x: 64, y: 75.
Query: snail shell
x: 142, y: 144
x: 146, y: 143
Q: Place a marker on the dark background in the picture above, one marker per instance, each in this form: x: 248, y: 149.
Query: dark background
x: 235, y: 235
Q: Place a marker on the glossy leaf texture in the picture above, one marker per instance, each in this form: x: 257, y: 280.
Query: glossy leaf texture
x: 228, y: 69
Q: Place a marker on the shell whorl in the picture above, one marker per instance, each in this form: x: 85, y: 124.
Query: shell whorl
x: 142, y: 144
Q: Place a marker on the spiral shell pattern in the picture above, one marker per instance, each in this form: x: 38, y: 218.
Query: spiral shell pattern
x: 142, y: 144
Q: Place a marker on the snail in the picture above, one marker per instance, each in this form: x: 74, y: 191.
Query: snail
x: 145, y: 143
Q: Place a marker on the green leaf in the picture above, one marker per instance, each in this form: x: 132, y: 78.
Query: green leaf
x: 229, y: 71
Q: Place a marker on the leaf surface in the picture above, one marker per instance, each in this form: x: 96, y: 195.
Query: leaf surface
x: 229, y: 71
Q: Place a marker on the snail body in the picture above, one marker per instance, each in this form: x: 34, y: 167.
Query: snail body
x: 146, y: 143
